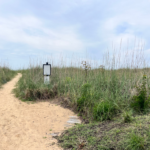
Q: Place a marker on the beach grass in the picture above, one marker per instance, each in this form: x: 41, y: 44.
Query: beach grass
x: 113, y: 104
x: 6, y: 74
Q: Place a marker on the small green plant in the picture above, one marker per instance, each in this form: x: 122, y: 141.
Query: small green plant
x: 104, y: 110
x: 140, y: 102
x: 136, y: 142
x: 67, y: 80
x: 118, y: 131
x: 84, y: 97
x: 127, y: 116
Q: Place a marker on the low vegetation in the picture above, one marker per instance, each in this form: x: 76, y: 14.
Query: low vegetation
x: 114, y: 117
x: 6, y: 75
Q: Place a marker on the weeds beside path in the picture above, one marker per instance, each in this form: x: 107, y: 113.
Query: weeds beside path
x: 6, y: 75
x: 28, y: 126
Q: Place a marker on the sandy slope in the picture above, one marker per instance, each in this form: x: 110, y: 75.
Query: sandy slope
x: 23, y: 126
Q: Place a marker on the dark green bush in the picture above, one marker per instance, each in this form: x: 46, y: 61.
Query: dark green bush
x: 104, y: 110
x: 141, y: 102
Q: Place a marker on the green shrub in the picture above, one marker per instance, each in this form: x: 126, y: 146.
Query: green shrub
x: 32, y: 87
x: 84, y: 97
x: 136, y: 142
x: 127, y: 116
x: 104, y: 110
x: 141, y: 102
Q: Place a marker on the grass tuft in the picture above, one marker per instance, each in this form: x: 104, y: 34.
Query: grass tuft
x: 141, y: 102
x: 6, y: 75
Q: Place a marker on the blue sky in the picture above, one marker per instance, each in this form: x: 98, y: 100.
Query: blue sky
x: 65, y: 31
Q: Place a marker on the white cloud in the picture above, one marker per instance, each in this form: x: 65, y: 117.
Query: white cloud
x: 30, y: 31
x: 13, y: 29
x: 138, y: 23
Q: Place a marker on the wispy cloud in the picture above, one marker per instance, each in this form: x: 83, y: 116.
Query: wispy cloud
x: 41, y: 28
x: 31, y: 31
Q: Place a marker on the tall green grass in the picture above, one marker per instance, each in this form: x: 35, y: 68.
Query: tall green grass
x: 97, y: 94
x: 31, y: 86
x: 6, y: 75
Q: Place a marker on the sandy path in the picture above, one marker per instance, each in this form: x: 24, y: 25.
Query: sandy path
x: 23, y: 126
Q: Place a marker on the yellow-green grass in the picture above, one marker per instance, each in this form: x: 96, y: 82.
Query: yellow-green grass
x: 103, y: 98
x: 6, y: 75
